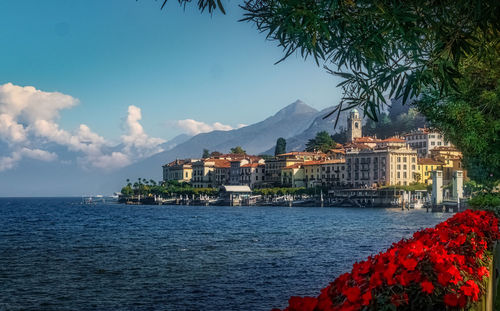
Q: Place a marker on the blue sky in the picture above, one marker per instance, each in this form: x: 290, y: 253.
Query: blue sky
x: 172, y: 64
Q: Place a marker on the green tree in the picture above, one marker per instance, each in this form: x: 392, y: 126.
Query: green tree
x: 206, y: 154
x: 470, y: 117
x: 280, y: 146
x: 323, y: 142
x: 238, y: 150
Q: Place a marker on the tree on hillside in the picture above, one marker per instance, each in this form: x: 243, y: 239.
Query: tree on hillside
x: 280, y: 146
x: 206, y: 154
x: 322, y: 142
x: 390, y: 125
x: 215, y: 154
x: 238, y: 150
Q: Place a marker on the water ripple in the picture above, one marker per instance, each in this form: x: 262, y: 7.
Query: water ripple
x: 58, y: 255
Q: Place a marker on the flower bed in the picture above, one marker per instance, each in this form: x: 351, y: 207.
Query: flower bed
x: 438, y: 268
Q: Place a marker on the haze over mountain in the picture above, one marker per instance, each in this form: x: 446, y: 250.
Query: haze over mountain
x: 66, y: 177
x: 297, y: 123
x: 255, y: 138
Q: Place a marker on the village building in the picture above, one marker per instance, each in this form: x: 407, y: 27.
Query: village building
x: 293, y: 176
x: 252, y: 174
x: 425, y: 168
x: 368, y: 167
x: 312, y: 173
x: 354, y: 125
x: 424, y: 140
x: 178, y: 170
x: 333, y: 173
x: 204, y: 172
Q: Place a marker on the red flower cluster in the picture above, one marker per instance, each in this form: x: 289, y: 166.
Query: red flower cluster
x: 446, y: 265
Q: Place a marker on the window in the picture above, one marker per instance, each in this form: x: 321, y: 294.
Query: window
x: 399, y: 175
x: 412, y: 159
x: 404, y: 167
x: 432, y: 143
x: 413, y: 167
x: 399, y: 159
x: 399, y: 166
x: 439, y: 143
x: 404, y: 174
x: 404, y: 159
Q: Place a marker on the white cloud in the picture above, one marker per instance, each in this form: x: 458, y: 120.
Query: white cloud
x: 194, y: 127
x: 29, y: 117
x: 10, y: 130
x: 11, y: 161
x: 105, y: 161
x: 137, y: 142
x: 28, y: 104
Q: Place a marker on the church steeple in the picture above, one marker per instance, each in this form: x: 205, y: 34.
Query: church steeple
x: 354, y: 125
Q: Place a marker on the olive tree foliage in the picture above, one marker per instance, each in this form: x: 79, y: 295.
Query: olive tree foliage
x: 380, y: 48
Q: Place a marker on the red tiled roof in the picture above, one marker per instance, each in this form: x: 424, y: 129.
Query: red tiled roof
x: 337, y: 151
x: 312, y: 163
x: 297, y: 165
x: 333, y: 161
x: 428, y: 161
x: 393, y: 140
x: 366, y: 139
x: 302, y: 153
x: 251, y: 165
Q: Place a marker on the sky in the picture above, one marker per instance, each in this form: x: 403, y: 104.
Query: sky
x: 174, y: 64
x: 113, y: 80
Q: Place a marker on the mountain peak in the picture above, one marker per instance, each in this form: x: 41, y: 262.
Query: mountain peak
x: 297, y: 107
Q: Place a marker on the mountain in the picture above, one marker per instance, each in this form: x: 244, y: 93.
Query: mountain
x: 256, y: 138
x: 298, y: 142
x: 179, y: 139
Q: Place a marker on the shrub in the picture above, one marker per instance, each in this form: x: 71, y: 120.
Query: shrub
x: 439, y: 268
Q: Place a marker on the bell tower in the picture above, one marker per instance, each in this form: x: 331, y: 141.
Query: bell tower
x: 354, y: 125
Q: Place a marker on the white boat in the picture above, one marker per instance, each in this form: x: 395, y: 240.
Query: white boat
x: 417, y: 204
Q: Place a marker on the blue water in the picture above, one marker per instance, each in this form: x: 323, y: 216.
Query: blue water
x: 58, y: 255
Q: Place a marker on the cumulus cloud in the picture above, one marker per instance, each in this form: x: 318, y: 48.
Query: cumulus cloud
x: 137, y: 141
x: 9, y: 162
x: 29, y: 117
x: 194, y: 127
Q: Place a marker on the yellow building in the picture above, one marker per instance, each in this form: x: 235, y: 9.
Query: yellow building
x: 312, y: 173
x: 178, y: 170
x: 424, y: 169
x: 452, y: 161
x: 293, y: 176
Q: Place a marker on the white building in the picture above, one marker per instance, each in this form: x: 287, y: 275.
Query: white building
x: 424, y: 140
x: 354, y: 125
x: 381, y: 166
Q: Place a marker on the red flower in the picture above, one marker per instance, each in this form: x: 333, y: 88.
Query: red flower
x: 352, y: 293
x: 427, y: 287
x: 446, y: 254
x: 470, y: 289
x: 366, y: 298
x: 451, y: 300
x: 483, y: 271
x: 302, y: 304
x: 409, y: 264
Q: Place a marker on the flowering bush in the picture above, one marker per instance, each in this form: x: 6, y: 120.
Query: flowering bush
x: 438, y: 268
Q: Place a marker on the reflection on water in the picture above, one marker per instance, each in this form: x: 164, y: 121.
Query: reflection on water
x: 58, y: 255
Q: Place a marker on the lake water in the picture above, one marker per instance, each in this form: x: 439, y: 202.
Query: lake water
x: 58, y: 255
